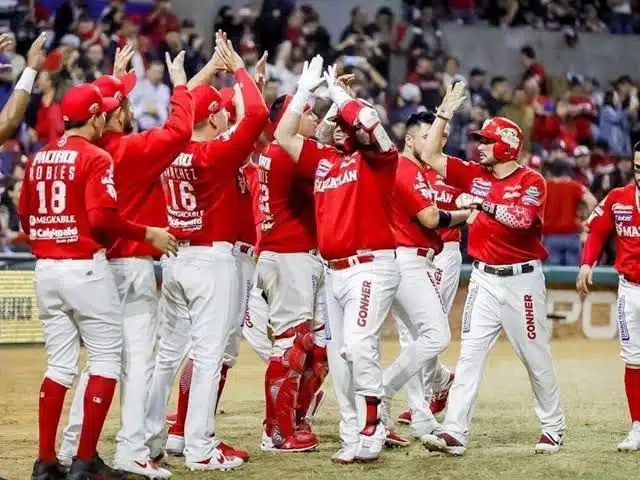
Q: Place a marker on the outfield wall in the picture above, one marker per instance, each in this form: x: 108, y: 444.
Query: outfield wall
x: 594, y: 317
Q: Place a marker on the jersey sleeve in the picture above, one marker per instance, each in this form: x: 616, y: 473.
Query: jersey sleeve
x: 599, y: 225
x: 460, y: 174
x: 100, y: 190
x: 534, y: 196
x: 24, y: 206
x: 310, y: 155
x: 413, y: 193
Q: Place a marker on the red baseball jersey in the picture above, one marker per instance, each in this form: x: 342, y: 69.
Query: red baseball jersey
x: 139, y: 160
x: 564, y: 196
x: 491, y: 241
x: 445, y: 197
x: 618, y: 212
x: 411, y: 194
x: 353, y: 197
x: 63, y: 183
x: 246, y: 223
x: 287, y: 223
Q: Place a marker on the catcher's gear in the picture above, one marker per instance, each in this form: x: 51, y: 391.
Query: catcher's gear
x: 506, y: 135
x: 362, y: 120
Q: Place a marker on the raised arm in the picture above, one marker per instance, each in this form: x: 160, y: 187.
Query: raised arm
x: 286, y: 133
x: 432, y: 151
x: 15, y: 108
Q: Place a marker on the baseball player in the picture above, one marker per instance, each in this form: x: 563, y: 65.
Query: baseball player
x: 507, y: 288
x: 415, y: 218
x: 619, y: 213
x: 139, y: 159
x: 290, y: 273
x: 352, y: 193
x: 68, y: 207
x: 200, y: 287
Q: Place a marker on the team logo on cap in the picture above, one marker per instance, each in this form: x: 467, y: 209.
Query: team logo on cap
x: 510, y: 137
x: 94, y: 109
x: 213, y: 106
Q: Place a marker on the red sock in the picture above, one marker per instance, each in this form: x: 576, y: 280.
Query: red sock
x: 97, y: 400
x: 183, y: 399
x: 223, y: 380
x: 632, y: 388
x: 49, y: 410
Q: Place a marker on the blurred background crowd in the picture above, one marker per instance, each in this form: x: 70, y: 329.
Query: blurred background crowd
x: 579, y: 130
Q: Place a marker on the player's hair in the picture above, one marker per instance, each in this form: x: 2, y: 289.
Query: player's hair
x: 496, y: 80
x: 276, y: 106
x: 74, y: 125
x: 416, y: 119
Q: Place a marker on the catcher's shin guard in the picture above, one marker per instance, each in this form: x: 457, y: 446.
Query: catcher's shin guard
x: 316, y: 370
x: 282, y: 381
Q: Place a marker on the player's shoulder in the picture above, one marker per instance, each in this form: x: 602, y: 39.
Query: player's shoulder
x: 530, y: 175
x: 625, y: 192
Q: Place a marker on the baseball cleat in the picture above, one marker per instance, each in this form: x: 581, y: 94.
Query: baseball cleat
x: 443, y: 442
x: 370, y: 446
x: 146, y: 469
x: 550, y: 442
x: 94, y: 468
x: 65, y: 460
x: 632, y: 442
x: 172, y: 417
x: 218, y: 461
x: 317, y: 402
x: 395, y: 440
x: 174, y: 445
x: 296, y: 443
x: 439, y: 400
x: 48, y: 471
x: 405, y: 418
x: 346, y: 455
x: 426, y: 427
x: 229, y: 451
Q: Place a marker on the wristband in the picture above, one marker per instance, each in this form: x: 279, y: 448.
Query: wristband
x: 299, y: 101
x: 26, y: 80
x: 488, y: 207
x: 444, y: 219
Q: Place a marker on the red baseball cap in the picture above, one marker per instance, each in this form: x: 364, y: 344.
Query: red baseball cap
x: 83, y: 101
x: 118, y: 88
x: 207, y: 100
x: 226, y: 95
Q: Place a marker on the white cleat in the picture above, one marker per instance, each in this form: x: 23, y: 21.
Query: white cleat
x: 443, y: 442
x: 218, y: 461
x: 550, y: 442
x: 266, y: 444
x: 346, y: 455
x: 147, y: 469
x: 427, y: 427
x: 370, y: 446
x: 174, y: 445
x: 631, y: 443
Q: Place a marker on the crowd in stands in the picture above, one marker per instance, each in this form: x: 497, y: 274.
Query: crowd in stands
x: 575, y: 122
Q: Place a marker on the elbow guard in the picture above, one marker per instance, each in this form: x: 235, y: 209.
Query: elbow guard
x: 444, y: 219
x: 364, y: 118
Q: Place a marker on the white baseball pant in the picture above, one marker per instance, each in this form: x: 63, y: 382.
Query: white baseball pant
x: 358, y: 301
x: 516, y: 304
x: 255, y: 324
x: 419, y: 389
x: 420, y: 308
x: 199, y: 289
x: 136, y: 282
x: 629, y: 321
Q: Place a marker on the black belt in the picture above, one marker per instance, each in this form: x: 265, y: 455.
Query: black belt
x: 506, y: 271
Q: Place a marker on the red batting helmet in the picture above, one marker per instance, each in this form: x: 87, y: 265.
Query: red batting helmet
x: 506, y: 136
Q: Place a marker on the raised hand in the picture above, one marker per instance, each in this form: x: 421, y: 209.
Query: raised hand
x: 311, y: 76
x: 455, y: 96
x: 36, y: 53
x: 260, y: 75
x: 176, y: 69
x: 229, y: 57
x: 122, y: 59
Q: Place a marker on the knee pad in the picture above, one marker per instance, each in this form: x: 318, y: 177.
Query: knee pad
x: 294, y: 344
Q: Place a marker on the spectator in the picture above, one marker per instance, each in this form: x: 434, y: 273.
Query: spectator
x: 424, y: 36
x: 499, y: 96
x: 271, y: 91
x: 112, y: 17
x: 44, y: 115
x: 478, y: 93
x: 428, y: 81
x: 561, y: 225
x: 520, y: 112
x: 621, y: 19
x: 408, y: 102
x: 614, y: 126
x: 316, y: 38
x: 270, y: 23
x: 66, y: 19
x: 150, y: 98
x: 93, y: 63
x: 358, y: 25
x: 384, y: 34
x: 11, y: 238
x: 583, y: 172
x: 463, y: 11
x: 582, y: 112
x: 160, y: 21
x: 452, y: 72
x: 593, y: 23
x: 533, y: 70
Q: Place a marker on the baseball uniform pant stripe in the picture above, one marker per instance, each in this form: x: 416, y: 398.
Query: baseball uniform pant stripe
x: 629, y: 321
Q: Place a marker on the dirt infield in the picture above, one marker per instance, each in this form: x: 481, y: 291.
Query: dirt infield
x: 503, y: 432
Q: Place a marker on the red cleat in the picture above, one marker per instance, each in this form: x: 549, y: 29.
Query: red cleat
x: 439, y: 400
x: 229, y: 451
x: 405, y: 418
x: 395, y: 440
x: 298, y: 442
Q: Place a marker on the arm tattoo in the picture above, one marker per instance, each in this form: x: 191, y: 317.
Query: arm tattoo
x: 324, y: 131
x: 512, y: 216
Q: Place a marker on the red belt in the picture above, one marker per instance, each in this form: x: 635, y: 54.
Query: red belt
x: 425, y: 252
x: 342, y: 263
